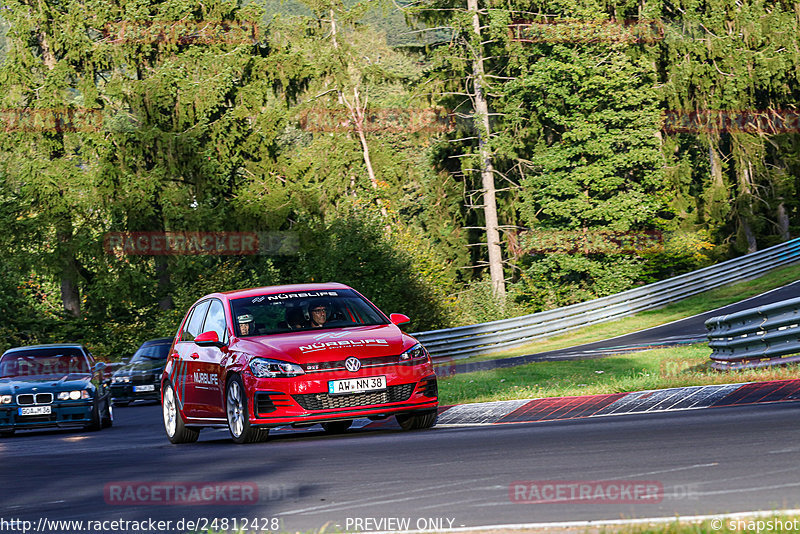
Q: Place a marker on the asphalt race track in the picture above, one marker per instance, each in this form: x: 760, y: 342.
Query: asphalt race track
x: 684, y: 331
x: 703, y: 462
x: 656, y: 464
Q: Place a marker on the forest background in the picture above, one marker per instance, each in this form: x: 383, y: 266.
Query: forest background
x: 608, y: 144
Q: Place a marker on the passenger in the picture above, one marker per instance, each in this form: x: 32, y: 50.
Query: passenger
x: 246, y: 324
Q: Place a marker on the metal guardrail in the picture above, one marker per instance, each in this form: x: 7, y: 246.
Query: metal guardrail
x: 758, y: 337
x: 465, y: 341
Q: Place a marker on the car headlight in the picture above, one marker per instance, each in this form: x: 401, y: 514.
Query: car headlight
x: 73, y: 395
x: 120, y: 380
x: 265, y: 368
x: 5, y: 399
x: 417, y: 352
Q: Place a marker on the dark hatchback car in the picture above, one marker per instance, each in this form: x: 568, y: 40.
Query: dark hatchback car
x: 140, y: 378
x: 52, y: 385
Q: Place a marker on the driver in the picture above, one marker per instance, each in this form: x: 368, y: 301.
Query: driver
x: 318, y: 313
x: 246, y: 324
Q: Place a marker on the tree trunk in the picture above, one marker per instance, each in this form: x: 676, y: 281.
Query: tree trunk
x: 718, y: 204
x: 487, y: 168
x: 783, y: 222
x: 745, y: 203
x: 68, y: 266
x: 164, y: 287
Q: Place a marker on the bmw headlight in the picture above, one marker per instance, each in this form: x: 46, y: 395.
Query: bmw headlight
x: 120, y: 379
x: 266, y: 368
x: 73, y: 395
x: 417, y: 352
x: 5, y: 399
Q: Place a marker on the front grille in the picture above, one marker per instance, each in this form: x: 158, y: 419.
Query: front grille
x: 324, y: 401
x: 28, y: 399
x: 143, y: 379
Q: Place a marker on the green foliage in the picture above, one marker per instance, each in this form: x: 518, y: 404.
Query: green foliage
x: 395, y: 270
x: 213, y: 135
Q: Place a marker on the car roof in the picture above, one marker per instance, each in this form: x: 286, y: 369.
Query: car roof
x: 292, y: 288
x: 49, y: 346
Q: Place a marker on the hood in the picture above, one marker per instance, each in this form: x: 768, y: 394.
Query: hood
x: 44, y: 384
x: 328, y: 345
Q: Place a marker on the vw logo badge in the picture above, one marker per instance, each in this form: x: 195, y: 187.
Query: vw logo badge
x: 352, y: 364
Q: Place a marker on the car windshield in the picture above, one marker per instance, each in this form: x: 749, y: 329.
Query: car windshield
x: 43, y: 362
x: 150, y: 353
x: 304, y: 310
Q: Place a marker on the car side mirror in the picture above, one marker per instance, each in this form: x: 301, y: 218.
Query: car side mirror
x: 399, y: 318
x: 99, y: 366
x: 125, y: 360
x: 208, y: 339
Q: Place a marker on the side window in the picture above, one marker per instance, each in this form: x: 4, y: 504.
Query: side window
x: 216, y: 319
x: 195, y: 322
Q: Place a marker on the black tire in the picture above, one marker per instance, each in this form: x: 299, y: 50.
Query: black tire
x: 337, y: 427
x: 418, y: 420
x: 108, y: 416
x: 237, y: 414
x: 176, y: 429
x: 97, y: 422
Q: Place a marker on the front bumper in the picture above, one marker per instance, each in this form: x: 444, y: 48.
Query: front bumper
x: 124, y: 392
x: 269, y: 407
x: 62, y: 414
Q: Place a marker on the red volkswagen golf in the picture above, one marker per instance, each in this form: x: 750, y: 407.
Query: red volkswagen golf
x: 299, y: 354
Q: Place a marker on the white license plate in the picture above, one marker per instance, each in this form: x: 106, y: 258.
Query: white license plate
x: 34, y: 410
x: 357, y: 385
x: 144, y: 388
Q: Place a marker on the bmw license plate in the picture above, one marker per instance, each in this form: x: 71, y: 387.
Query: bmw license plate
x: 357, y: 385
x: 35, y: 410
x: 144, y: 388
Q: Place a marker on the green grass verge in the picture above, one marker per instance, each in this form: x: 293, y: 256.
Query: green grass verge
x: 653, y: 369
x: 767, y: 524
x: 693, y: 305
